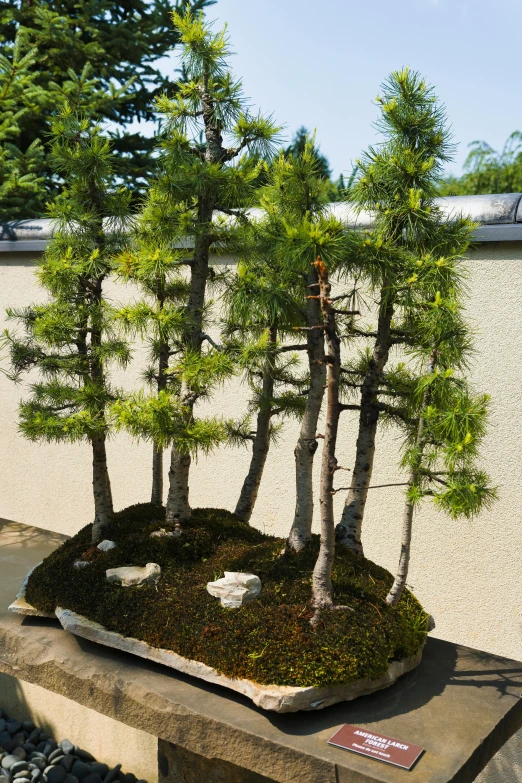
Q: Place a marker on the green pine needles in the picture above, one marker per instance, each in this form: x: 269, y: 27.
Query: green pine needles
x: 72, y: 341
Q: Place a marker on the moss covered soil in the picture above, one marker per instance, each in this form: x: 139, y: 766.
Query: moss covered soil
x: 270, y: 640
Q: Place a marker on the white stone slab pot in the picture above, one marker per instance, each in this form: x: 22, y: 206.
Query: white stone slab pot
x: 21, y: 606
x: 278, y: 698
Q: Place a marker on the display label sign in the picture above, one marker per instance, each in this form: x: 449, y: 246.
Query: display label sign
x: 376, y: 746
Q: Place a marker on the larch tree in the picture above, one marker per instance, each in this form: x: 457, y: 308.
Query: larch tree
x: 262, y: 307
x: 208, y: 165
x: 156, y: 317
x: 70, y: 341
x: 295, y: 229
x: 444, y: 424
x: 398, y: 182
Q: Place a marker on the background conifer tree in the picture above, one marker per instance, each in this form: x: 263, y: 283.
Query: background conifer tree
x: 70, y: 340
x: 100, y: 57
x: 20, y: 170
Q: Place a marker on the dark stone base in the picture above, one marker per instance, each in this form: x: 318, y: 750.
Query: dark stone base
x: 178, y: 765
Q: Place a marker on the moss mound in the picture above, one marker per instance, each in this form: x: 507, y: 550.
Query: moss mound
x: 270, y: 640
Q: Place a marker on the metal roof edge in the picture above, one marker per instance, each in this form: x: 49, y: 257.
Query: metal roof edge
x: 492, y: 211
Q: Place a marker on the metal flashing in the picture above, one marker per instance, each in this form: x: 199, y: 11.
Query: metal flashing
x: 493, y: 211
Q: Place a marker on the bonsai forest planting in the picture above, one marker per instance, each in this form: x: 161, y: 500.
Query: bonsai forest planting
x: 324, y: 323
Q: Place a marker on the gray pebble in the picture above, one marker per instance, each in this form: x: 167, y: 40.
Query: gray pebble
x: 32, y: 766
x: 46, y: 770
x: 19, y: 766
x: 100, y: 769
x: 57, y: 759
x: 8, y: 761
x: 40, y: 747
x: 20, y: 752
x: 56, y: 775
x: 92, y: 778
x: 3, y: 725
x: 67, y: 762
x: 24, y: 773
x: 80, y: 770
x: 110, y: 776
x: 66, y: 746
x: 13, y: 726
x: 71, y: 779
x: 22, y: 780
x: 27, y: 725
x: 54, y: 754
x: 29, y: 747
x: 50, y: 745
x: 35, y: 774
x: 84, y: 755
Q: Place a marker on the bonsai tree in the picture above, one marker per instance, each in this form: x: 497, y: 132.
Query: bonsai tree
x: 262, y: 307
x: 443, y: 434
x: 70, y: 340
x: 205, y: 168
x: 398, y: 182
x: 294, y: 228
x: 156, y: 318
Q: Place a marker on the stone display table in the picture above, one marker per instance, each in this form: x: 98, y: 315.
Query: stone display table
x: 460, y: 704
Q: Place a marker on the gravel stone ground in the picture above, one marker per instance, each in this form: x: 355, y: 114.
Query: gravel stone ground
x: 28, y: 755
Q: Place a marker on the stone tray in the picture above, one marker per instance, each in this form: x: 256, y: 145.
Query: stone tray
x: 277, y: 698
x: 21, y: 606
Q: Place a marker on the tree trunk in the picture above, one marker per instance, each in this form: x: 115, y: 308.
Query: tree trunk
x: 261, y: 444
x: 394, y: 596
x: 101, y: 488
x: 178, y: 506
x: 322, y: 588
x: 156, y: 495
x: 306, y: 447
x: 348, y: 531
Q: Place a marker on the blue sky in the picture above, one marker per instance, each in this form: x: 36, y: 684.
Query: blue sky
x: 320, y: 64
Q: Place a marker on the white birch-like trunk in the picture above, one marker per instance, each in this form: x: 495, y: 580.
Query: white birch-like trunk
x: 322, y: 587
x: 307, y: 443
x: 261, y: 444
x: 101, y: 488
x: 397, y: 589
x: 348, y: 531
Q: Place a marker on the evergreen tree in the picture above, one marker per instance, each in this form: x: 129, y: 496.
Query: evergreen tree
x: 20, y: 180
x: 70, y: 341
x: 156, y: 318
x: 295, y: 229
x: 417, y: 255
x: 263, y: 306
x: 99, y: 57
x: 443, y: 434
x: 204, y: 169
x: 488, y: 171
